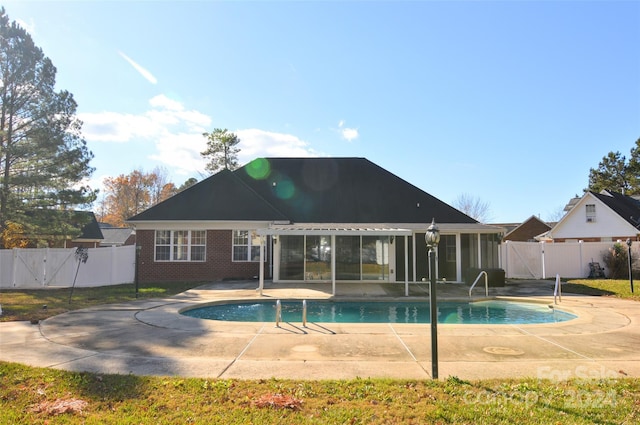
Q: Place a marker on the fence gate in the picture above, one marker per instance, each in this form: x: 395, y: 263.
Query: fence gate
x: 523, y: 260
x: 41, y: 267
x: 28, y: 267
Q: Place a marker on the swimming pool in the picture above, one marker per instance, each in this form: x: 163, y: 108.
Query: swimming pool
x: 480, y: 312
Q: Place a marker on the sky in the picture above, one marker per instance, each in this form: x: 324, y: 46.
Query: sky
x: 508, y: 102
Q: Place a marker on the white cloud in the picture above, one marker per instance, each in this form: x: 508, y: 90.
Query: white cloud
x: 120, y: 128
x: 142, y: 71
x: 162, y: 101
x: 181, y: 152
x: 255, y: 143
x: 348, y: 134
x: 176, y: 134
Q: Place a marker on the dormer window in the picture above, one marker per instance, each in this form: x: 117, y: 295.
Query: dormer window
x: 591, y: 213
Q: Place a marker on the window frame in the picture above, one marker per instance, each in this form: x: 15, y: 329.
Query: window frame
x: 590, y: 213
x: 184, y: 246
x: 248, y: 240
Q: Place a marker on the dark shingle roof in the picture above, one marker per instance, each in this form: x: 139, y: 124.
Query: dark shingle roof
x: 91, y: 230
x: 344, y: 190
x: 625, y: 206
x: 306, y: 190
x: 220, y: 197
x: 529, y: 229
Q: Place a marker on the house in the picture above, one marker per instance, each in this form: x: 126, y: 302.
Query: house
x: 307, y: 220
x: 68, y: 229
x: 527, y: 231
x: 117, y: 236
x: 599, y: 217
x: 90, y: 234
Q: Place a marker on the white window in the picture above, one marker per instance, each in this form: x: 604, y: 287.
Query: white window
x: 181, y: 245
x: 246, y: 246
x: 591, y: 213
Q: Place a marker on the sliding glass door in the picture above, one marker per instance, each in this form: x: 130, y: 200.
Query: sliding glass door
x: 348, y: 257
x: 357, y: 257
x: 317, y: 258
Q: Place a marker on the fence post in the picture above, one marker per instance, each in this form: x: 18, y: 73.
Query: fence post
x: 581, y: 263
x: 544, y: 272
x: 44, y: 267
x: 506, y: 264
x: 14, y: 264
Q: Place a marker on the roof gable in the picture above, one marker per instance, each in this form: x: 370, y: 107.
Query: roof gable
x: 609, y: 221
x: 116, y: 235
x: 528, y: 230
x: 91, y: 230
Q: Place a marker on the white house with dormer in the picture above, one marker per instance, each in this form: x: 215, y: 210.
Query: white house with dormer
x: 599, y: 217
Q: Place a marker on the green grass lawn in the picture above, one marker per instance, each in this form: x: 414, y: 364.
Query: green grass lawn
x: 603, y: 287
x: 47, y: 396
x: 29, y: 304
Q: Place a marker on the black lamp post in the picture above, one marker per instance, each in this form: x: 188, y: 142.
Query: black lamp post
x: 432, y: 238
x: 630, y: 271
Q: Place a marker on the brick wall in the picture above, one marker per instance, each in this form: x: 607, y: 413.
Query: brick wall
x: 218, y: 265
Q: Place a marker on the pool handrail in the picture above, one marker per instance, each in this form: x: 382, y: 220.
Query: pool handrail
x: 278, y: 313
x: 557, y: 292
x: 486, y: 283
x: 304, y: 313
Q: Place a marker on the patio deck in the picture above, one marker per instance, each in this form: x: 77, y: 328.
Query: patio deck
x: 150, y: 338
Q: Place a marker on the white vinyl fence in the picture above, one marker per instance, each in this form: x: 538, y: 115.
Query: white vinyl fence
x: 57, y: 267
x: 534, y: 260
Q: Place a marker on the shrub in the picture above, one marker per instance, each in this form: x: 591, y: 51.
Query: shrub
x: 616, y: 259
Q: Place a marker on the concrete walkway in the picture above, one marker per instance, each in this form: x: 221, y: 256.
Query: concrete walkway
x: 151, y: 338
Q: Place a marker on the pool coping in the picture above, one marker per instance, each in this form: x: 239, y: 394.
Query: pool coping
x: 354, y: 300
x: 169, y: 316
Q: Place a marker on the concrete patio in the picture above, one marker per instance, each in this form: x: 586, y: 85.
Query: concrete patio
x: 151, y: 338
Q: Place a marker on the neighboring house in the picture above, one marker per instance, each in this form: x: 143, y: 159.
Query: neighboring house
x: 307, y: 220
x: 90, y: 233
x: 599, y: 217
x: 527, y: 231
x: 117, y: 236
x: 506, y: 227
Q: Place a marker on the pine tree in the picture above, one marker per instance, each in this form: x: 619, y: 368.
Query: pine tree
x: 222, y: 150
x: 617, y: 174
x: 43, y: 157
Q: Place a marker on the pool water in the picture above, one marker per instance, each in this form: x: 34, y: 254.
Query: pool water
x: 480, y: 312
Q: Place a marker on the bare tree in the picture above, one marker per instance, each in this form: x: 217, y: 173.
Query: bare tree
x: 556, y: 215
x: 473, y: 206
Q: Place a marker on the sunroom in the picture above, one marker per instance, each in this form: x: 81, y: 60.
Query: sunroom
x: 376, y: 253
